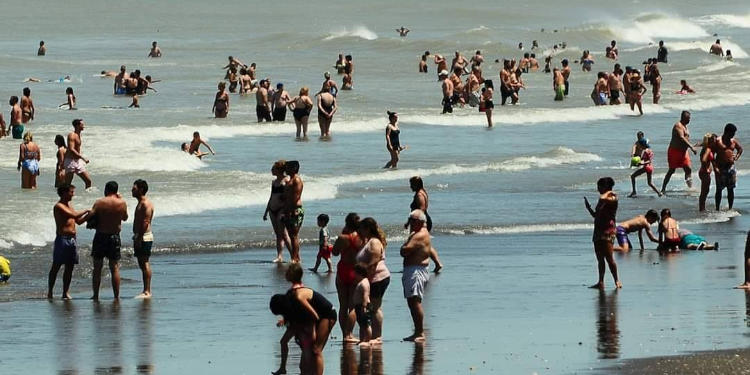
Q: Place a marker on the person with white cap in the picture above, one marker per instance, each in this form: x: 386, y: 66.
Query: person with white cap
x: 416, y: 253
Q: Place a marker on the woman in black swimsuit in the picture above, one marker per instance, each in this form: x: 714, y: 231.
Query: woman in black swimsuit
x: 392, y: 141
x: 221, y: 103
x: 311, y: 317
x: 275, y: 203
x: 301, y: 105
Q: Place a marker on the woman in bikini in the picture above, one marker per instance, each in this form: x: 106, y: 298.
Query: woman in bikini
x: 604, y: 229
x: 669, y: 232
x: 301, y: 105
x: 347, y: 245
x: 28, y: 161
x: 274, y: 206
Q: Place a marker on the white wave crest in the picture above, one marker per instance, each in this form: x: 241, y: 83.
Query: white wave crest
x: 731, y: 20
x: 713, y: 217
x: 648, y: 28
x: 361, y: 32
x: 737, y: 51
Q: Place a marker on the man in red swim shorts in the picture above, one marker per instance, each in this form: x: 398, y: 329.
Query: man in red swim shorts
x: 677, y: 155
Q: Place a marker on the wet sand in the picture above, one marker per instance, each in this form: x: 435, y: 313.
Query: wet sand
x: 513, y: 303
x: 733, y: 361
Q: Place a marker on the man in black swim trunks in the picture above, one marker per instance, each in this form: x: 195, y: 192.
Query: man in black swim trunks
x: 107, y: 216
x: 263, y: 105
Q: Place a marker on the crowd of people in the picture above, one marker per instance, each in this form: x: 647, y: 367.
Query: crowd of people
x: 362, y: 276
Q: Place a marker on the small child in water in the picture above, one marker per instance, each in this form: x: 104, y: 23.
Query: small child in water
x: 4, y: 269
x: 324, y: 247
x: 361, y: 303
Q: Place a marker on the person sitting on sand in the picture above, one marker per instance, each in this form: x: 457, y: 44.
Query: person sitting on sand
x: 692, y: 241
x: 636, y: 224
x: 669, y: 235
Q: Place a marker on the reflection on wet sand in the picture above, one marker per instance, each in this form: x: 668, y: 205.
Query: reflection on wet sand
x: 144, y: 338
x: 107, y: 338
x: 608, y: 336
x: 64, y: 319
x: 417, y: 364
x: 370, y: 360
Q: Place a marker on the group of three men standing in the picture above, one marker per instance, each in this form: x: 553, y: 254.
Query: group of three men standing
x: 106, y: 217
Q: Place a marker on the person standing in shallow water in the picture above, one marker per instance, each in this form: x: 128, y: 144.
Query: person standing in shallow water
x: 143, y: 238
x: 604, y: 229
x: 221, y: 102
x: 28, y: 161
x: 416, y: 253
x: 294, y: 213
x: 677, y: 152
x: 392, y: 140
x: 66, y: 247
x: 108, y: 214
x: 728, y: 150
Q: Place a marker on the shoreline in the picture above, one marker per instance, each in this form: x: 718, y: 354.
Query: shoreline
x: 724, y: 361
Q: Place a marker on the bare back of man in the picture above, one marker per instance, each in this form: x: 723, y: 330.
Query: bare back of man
x: 109, y: 213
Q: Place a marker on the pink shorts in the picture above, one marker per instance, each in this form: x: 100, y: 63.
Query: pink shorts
x: 74, y: 166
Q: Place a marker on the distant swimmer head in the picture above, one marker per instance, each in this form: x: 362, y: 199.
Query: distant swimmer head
x: 154, y: 44
x: 184, y: 147
x: 104, y: 72
x: 327, y: 75
x: 614, y: 43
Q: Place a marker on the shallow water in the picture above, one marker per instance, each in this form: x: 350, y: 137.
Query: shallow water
x: 512, y: 194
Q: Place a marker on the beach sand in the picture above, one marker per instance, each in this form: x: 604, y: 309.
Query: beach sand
x: 514, y: 303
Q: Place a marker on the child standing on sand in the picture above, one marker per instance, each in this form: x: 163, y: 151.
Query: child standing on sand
x: 361, y: 302
x: 324, y: 246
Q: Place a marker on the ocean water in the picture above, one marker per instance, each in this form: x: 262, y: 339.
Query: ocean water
x: 525, y: 176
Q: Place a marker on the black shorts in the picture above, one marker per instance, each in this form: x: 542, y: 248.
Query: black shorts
x: 377, y: 289
x: 279, y: 114
x: 106, y: 246
x: 144, y: 250
x: 263, y: 113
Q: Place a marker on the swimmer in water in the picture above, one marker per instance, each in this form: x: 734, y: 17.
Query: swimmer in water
x: 107, y: 74
x: 729, y: 55
x: 685, y: 88
x: 42, y: 49
x: 185, y: 148
x: 32, y: 79
x: 402, y: 31
x: 196, y: 143
x: 155, y: 51
x: 71, y: 99
x: 716, y: 48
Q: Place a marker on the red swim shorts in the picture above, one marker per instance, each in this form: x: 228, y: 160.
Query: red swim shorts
x: 677, y: 158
